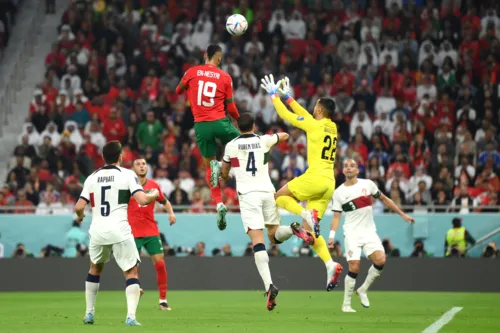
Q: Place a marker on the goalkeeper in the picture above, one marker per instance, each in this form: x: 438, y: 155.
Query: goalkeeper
x: 317, y: 184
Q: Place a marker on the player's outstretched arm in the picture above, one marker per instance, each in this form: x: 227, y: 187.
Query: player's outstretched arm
x: 179, y: 90
x: 333, y: 228
x: 307, y: 124
x: 285, y: 92
x: 145, y: 199
x: 392, y: 206
x: 282, y: 137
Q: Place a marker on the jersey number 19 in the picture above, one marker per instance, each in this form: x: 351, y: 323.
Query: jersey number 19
x: 208, y: 90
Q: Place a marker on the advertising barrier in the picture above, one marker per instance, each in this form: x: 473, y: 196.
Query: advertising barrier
x: 229, y: 273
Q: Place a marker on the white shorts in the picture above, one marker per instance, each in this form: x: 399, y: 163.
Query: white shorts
x: 369, y: 243
x: 258, y: 209
x: 125, y: 253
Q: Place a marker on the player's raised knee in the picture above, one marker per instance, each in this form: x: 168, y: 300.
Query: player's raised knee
x: 354, y: 266
x: 96, y: 269
x: 379, y: 261
x: 271, y: 232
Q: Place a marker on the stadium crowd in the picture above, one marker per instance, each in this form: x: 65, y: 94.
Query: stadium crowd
x: 416, y: 85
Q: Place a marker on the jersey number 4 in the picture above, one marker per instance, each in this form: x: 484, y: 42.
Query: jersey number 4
x: 251, y: 163
x: 328, y: 152
x: 105, y: 207
x: 208, y: 90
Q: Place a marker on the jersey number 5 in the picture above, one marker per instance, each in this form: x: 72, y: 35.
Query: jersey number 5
x: 105, y: 208
x: 251, y: 163
x: 208, y: 90
x: 328, y: 152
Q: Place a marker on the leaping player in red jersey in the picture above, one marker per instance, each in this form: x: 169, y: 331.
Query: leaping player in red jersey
x: 145, y: 228
x: 210, y: 90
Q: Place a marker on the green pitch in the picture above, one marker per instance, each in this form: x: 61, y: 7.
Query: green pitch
x: 244, y: 311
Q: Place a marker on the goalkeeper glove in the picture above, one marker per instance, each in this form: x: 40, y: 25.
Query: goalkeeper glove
x: 269, y: 85
x: 284, y: 88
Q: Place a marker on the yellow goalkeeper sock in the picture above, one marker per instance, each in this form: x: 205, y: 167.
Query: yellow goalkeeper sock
x: 289, y: 204
x: 321, y: 249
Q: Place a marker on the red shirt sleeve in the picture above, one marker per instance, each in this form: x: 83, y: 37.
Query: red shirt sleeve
x: 229, y: 99
x: 161, y: 198
x: 183, y: 85
x: 229, y: 90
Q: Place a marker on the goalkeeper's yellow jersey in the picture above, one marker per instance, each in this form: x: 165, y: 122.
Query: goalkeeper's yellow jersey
x: 321, y: 137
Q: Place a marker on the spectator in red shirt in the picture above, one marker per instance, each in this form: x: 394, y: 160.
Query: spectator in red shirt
x: 39, y: 101
x: 392, y: 23
x: 22, y: 201
x: 55, y: 58
x: 400, y: 165
x: 64, y: 101
x: 345, y: 80
x: 114, y: 128
x: 91, y: 151
x: 359, y: 147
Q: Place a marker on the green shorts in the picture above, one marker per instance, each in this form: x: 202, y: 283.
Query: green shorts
x: 152, y: 245
x: 208, y: 131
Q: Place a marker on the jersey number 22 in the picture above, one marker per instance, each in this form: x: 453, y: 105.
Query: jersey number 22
x: 208, y: 90
x: 328, y: 149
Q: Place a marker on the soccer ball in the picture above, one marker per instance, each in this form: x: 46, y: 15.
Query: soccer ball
x: 236, y: 24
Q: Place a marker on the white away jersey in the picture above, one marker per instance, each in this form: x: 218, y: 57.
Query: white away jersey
x: 108, y: 190
x: 248, y: 155
x: 356, y: 202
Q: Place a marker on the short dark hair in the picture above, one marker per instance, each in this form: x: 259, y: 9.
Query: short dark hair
x: 457, y: 222
x: 111, y: 152
x: 328, y: 104
x: 212, y: 50
x: 246, y: 122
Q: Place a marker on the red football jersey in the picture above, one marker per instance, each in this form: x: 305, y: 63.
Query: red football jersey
x: 208, y: 88
x: 142, y: 218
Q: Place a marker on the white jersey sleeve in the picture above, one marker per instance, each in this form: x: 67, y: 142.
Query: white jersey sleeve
x: 374, y: 191
x: 269, y: 140
x: 133, y: 183
x: 85, y: 195
x: 230, y: 152
x: 337, y: 205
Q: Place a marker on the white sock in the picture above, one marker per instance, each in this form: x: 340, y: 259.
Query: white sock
x: 262, y: 263
x: 163, y: 301
x: 373, y: 274
x: 133, y: 293
x: 349, y: 289
x: 283, y: 233
x: 306, y: 215
x: 91, y: 289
